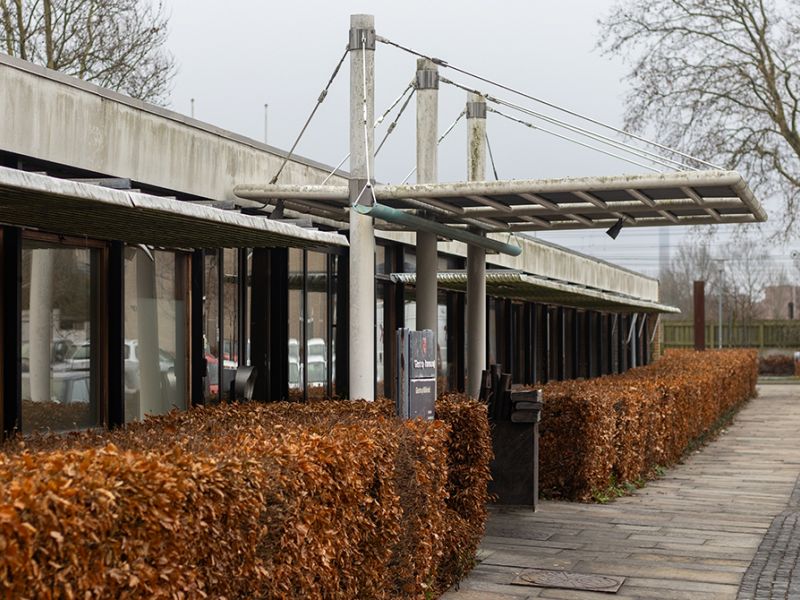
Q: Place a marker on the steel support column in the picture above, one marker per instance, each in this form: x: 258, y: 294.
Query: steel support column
x: 613, y: 325
x: 196, y: 350
x: 341, y: 383
x: 562, y: 344
x: 575, y: 343
x: 259, y: 322
x: 591, y: 362
x: 115, y: 340
x: 11, y: 330
x: 269, y: 323
x: 700, y: 315
x: 547, y: 317
x: 278, y: 324
x: 622, y: 344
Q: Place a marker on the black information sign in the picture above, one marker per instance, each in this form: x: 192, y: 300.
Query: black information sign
x: 416, y: 370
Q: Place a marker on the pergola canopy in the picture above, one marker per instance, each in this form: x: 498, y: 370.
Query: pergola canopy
x: 82, y: 209
x: 517, y: 285
x: 680, y: 198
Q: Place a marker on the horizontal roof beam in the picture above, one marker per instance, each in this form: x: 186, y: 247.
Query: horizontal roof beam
x: 623, y: 206
x: 640, y: 222
x: 571, y: 184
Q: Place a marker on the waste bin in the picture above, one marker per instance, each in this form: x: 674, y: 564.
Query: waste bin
x: 244, y: 383
x: 515, y: 440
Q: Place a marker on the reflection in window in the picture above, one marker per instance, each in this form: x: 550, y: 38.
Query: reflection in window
x: 155, y: 332
x: 336, y: 264
x: 58, y: 353
x: 380, y: 260
x: 410, y: 308
x: 317, y: 324
x: 441, y: 343
x: 211, y: 324
x: 380, y: 320
x: 491, y: 335
x: 296, y: 350
x: 230, y: 298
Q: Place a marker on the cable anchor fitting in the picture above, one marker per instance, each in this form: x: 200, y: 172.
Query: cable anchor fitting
x: 361, y: 39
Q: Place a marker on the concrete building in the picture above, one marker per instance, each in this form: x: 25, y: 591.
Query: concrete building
x: 135, y: 280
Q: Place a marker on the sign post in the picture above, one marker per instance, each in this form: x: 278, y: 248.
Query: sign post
x: 416, y: 374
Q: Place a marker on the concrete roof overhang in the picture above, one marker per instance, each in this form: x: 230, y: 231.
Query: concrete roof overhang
x: 82, y: 209
x: 516, y: 285
x: 680, y: 198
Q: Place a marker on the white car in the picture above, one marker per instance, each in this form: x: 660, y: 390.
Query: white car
x: 65, y: 387
x: 80, y: 360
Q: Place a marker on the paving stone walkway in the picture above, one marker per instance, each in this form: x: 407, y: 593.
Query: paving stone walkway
x: 724, y: 524
x: 774, y: 572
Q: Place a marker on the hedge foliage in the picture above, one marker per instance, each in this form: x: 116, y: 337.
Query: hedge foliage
x: 776, y: 364
x: 617, y: 428
x: 324, y: 500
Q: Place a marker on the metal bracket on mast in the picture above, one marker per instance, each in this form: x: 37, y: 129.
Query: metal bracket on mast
x: 359, y: 36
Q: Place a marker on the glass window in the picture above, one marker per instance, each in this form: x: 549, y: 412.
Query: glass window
x: 410, y: 307
x: 336, y: 264
x: 230, y: 303
x: 441, y: 343
x: 155, y: 332
x: 491, y: 334
x: 380, y: 320
x: 211, y: 324
x: 59, y: 356
x: 296, y: 350
x: 380, y: 260
x: 316, y: 309
x: 409, y: 260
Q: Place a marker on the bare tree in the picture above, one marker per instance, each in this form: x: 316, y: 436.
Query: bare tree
x: 741, y: 272
x: 117, y: 44
x: 693, y: 262
x: 747, y: 273
x: 718, y: 78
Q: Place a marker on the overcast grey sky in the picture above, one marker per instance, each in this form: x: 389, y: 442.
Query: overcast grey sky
x: 236, y: 56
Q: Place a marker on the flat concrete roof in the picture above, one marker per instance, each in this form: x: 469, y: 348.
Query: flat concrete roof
x: 59, y: 119
x: 82, y: 209
x: 523, y: 286
x: 160, y: 111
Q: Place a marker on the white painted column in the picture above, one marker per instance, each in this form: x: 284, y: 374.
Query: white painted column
x: 427, y: 172
x: 40, y: 337
x: 362, y: 234
x: 476, y: 256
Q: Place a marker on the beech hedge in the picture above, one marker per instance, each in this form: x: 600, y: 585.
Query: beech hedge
x: 322, y: 500
x: 618, y: 428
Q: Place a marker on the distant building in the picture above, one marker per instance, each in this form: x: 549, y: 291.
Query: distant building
x: 779, y: 302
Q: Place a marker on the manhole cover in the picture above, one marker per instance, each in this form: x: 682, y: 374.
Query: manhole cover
x: 569, y: 581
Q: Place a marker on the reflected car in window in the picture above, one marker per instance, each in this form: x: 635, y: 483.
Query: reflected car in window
x: 317, y: 371
x: 81, y: 356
